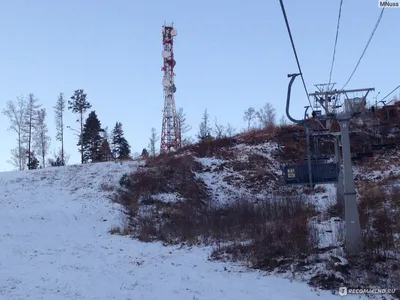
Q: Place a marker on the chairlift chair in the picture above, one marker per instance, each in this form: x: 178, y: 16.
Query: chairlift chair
x: 382, y: 145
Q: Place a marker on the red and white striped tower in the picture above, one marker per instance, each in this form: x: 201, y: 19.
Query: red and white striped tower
x: 170, y: 133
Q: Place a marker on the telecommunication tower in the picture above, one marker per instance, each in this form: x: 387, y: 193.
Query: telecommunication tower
x: 170, y: 133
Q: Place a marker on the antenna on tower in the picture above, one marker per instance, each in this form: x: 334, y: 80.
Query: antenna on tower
x: 170, y: 133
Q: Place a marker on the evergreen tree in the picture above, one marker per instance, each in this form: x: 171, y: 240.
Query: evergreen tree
x: 120, y: 146
x: 33, y: 162
x: 105, y: 151
x: 145, y: 153
x: 79, y: 105
x: 91, y: 138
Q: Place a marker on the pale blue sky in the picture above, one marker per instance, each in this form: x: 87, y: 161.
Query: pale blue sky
x: 230, y: 55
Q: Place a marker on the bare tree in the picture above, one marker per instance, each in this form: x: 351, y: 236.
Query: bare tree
x: 204, y: 127
x: 18, y: 158
x: 187, y: 141
x: 59, y: 115
x: 31, y: 121
x: 56, y: 161
x: 219, y: 129
x: 182, y: 123
x: 249, y: 116
x: 41, y: 137
x: 16, y: 111
x: 230, y: 130
x: 153, y: 140
x: 267, y: 115
x: 283, y: 121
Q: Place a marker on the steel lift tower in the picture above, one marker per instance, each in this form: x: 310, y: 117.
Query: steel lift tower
x: 170, y: 133
x: 330, y: 172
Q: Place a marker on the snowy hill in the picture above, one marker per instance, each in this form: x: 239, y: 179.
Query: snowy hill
x: 229, y: 193
x: 55, y: 245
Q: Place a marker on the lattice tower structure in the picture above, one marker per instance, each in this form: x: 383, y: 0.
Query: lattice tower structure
x: 170, y: 133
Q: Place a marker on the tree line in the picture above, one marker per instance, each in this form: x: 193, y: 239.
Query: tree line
x: 28, y: 121
x: 264, y: 117
x: 97, y: 144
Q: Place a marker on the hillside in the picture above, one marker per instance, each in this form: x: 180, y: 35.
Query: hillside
x: 55, y: 245
x: 229, y: 193
x: 213, y: 220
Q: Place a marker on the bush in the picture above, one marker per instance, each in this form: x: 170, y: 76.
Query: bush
x: 262, y: 233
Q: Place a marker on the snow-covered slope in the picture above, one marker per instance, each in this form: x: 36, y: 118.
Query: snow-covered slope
x: 55, y: 245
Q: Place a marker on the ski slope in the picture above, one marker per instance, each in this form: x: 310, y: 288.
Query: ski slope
x: 55, y: 245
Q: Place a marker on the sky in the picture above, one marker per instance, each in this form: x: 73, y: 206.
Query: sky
x: 229, y: 55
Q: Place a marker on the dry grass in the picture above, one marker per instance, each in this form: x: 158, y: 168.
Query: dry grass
x: 261, y: 233
x: 268, y: 234
x: 379, y: 215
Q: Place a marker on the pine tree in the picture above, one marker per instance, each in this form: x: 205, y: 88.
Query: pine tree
x: 33, y: 162
x: 79, y: 105
x: 105, y: 151
x: 120, y: 146
x: 91, y: 138
x: 145, y: 153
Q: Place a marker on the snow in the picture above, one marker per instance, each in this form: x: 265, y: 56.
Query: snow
x: 55, y: 245
x: 167, y: 197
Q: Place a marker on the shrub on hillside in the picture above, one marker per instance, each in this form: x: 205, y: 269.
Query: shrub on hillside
x: 212, y: 147
x: 379, y: 215
x: 261, y: 233
x: 172, y: 174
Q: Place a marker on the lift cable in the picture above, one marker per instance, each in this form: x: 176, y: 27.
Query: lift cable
x: 294, y: 49
x: 336, y: 39
x: 395, y: 89
x: 366, y: 47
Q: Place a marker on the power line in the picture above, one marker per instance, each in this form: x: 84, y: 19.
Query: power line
x: 336, y: 39
x: 390, y: 94
x: 366, y: 47
x: 294, y: 49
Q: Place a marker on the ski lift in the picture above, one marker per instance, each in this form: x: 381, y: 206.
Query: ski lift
x: 322, y: 172
x: 382, y: 145
x: 310, y: 173
x: 363, y: 142
x: 361, y: 155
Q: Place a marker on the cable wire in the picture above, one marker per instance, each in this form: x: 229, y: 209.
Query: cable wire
x: 336, y: 39
x: 390, y: 94
x: 294, y: 49
x: 366, y: 47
